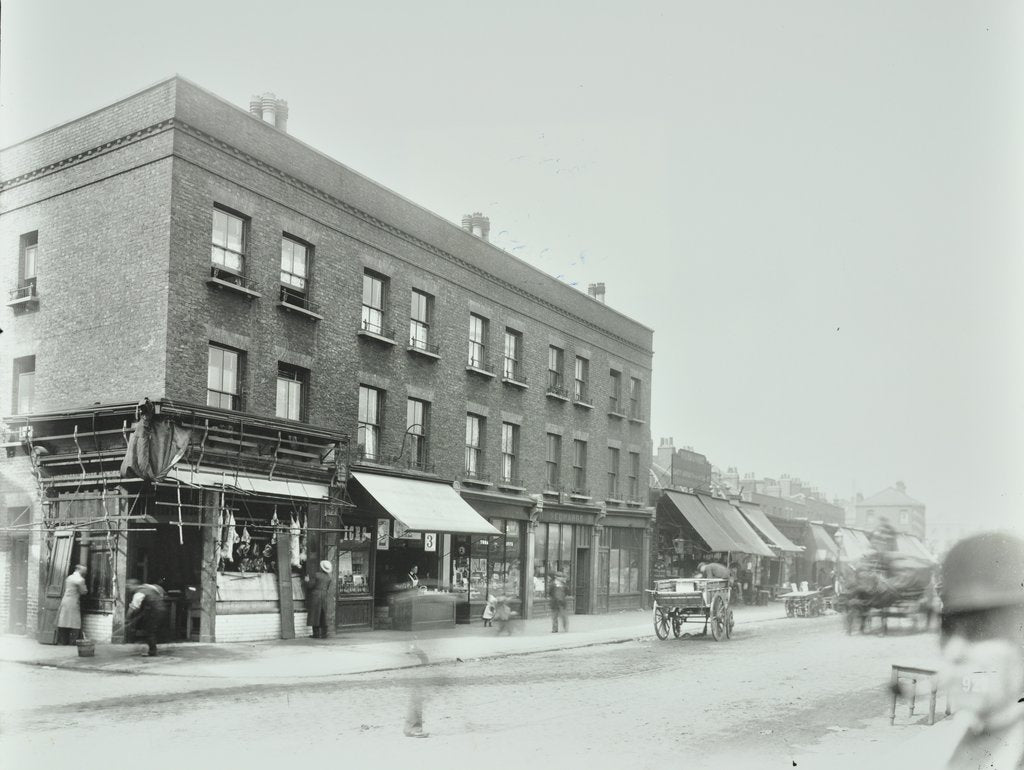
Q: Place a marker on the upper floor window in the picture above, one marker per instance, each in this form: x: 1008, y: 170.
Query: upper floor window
x: 477, y: 341
x: 294, y: 270
x: 509, y: 452
x: 635, y: 397
x: 634, y: 476
x: 223, y: 377
x: 228, y: 250
x: 579, y: 466
x: 613, y: 472
x: 582, y: 376
x: 556, y: 365
x: 292, y: 386
x: 511, y: 367
x: 553, y: 462
x: 615, y: 399
x: 27, y: 262
x: 374, y: 302
x: 416, y: 412
x: 371, y: 403
x: 474, y: 445
x: 24, y: 384
x: 420, y: 311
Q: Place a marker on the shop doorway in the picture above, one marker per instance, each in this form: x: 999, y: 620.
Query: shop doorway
x: 582, y: 587
x: 18, y: 618
x: 603, y: 571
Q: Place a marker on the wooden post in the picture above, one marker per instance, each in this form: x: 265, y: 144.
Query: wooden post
x: 329, y: 551
x: 211, y: 517
x: 284, y: 585
x: 119, y: 577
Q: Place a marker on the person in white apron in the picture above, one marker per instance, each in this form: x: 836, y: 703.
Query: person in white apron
x: 69, y: 616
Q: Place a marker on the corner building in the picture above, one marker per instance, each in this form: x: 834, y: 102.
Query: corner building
x: 317, y: 369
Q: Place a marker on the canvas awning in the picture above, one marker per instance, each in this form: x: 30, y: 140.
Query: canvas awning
x: 733, y: 522
x: 236, y: 482
x: 911, y: 546
x: 424, y: 506
x: 825, y: 548
x: 709, y: 529
x: 851, y: 547
x: 762, y: 523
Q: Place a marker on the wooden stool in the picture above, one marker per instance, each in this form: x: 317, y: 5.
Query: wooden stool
x: 914, y: 673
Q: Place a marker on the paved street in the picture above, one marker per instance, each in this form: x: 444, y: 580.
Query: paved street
x: 778, y: 692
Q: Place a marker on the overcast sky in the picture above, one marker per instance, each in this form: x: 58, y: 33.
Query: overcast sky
x: 816, y: 205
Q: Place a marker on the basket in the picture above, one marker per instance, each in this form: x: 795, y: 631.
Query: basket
x: 86, y: 648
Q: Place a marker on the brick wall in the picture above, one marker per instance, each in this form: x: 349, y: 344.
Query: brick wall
x: 255, y: 627
x: 18, y: 490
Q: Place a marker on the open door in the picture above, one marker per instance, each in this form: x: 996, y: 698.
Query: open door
x: 58, y: 566
x: 582, y: 588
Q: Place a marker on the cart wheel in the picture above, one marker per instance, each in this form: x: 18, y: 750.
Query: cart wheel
x: 789, y: 608
x: 661, y: 621
x: 677, y: 626
x: 717, y: 618
x: 730, y: 622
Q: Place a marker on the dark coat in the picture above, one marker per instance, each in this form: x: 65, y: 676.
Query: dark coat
x: 318, y: 599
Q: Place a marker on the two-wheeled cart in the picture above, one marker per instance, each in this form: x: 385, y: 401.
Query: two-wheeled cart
x: 683, y: 600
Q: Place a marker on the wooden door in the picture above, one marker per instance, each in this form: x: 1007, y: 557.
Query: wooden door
x: 582, y: 588
x: 57, y: 568
x: 18, y: 618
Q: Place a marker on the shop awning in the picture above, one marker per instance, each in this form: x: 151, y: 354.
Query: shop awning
x: 236, y: 482
x: 825, y: 548
x: 424, y: 506
x: 733, y: 522
x: 911, y: 546
x: 851, y: 547
x: 709, y: 529
x: 761, y: 522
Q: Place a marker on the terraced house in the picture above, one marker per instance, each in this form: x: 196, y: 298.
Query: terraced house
x: 228, y: 358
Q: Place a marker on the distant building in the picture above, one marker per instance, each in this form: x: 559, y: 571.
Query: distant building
x: 894, y: 504
x: 680, y: 468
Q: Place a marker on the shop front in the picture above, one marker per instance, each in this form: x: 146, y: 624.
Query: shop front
x: 563, y: 543
x: 623, y: 559
x: 777, y: 570
x: 433, y: 557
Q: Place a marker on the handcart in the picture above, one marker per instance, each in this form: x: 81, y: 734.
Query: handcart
x: 682, y: 600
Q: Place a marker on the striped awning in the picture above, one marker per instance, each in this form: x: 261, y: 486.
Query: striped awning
x: 762, y: 523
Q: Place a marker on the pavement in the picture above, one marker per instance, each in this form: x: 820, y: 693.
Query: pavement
x: 360, y: 651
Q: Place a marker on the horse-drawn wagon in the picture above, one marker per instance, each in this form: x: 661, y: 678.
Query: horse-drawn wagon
x: 700, y: 600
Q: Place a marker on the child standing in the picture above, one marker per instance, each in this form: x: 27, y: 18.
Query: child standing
x: 488, y: 612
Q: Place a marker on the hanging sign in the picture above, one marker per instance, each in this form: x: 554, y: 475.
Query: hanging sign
x: 429, y: 541
x: 401, y: 532
x: 383, y: 534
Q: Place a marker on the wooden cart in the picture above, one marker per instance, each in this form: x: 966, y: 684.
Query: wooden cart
x: 682, y: 600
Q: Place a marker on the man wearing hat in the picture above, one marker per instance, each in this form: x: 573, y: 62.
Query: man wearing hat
x: 557, y: 597
x: 983, y: 649
x: 319, y: 599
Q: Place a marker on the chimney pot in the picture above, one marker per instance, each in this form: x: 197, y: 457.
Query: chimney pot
x: 477, y: 224
x: 596, y: 290
x: 268, y: 108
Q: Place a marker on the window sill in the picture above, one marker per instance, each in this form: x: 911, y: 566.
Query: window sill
x: 557, y: 396
x: 481, y: 372
x: 582, y: 404
x: 477, y: 482
x: 222, y: 284
x: 580, y: 496
x: 511, y: 487
x: 300, y: 310
x: 637, y: 420
x: 616, y: 500
x: 515, y: 383
x: 617, y: 415
x: 29, y: 301
x: 424, y: 353
x: 374, y: 336
x: 634, y: 504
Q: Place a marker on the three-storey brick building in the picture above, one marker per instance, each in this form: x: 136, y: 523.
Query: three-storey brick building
x: 336, y: 357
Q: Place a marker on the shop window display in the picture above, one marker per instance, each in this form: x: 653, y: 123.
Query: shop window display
x: 494, y: 565
x: 553, y: 549
x: 354, y: 560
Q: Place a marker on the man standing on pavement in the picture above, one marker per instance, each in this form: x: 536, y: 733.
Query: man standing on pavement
x: 558, y: 602
x: 69, y: 616
x: 147, y: 611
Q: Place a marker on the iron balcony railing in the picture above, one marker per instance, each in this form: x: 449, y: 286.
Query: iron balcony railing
x: 555, y: 385
x: 374, y: 328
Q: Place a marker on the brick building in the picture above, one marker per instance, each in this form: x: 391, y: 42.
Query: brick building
x: 894, y: 505
x: 336, y: 356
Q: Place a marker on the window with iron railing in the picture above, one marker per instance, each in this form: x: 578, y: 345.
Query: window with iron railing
x: 416, y: 413
x: 421, y: 307
x: 474, y: 446
x: 509, y: 453
x: 227, y: 251
x: 615, y: 399
x: 223, y: 377
x: 294, y: 271
x: 477, y: 342
x: 613, y: 473
x: 581, y: 378
x: 292, y: 385
x: 579, y: 466
x: 634, y: 476
x: 553, y: 462
x: 368, y: 433
x: 635, y: 398
x: 510, y: 367
x: 374, y: 302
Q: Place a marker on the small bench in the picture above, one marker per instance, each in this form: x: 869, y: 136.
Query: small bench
x: 914, y: 674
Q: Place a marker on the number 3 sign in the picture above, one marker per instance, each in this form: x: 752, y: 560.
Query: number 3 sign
x: 429, y: 541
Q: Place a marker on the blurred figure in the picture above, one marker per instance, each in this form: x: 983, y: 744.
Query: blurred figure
x: 69, y: 616
x: 503, y: 615
x: 414, y: 715
x: 983, y: 649
x: 558, y: 602
x: 712, y: 569
x: 488, y: 613
x: 147, y: 611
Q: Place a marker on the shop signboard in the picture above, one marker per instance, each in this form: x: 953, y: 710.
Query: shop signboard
x: 401, y: 532
x: 383, y: 534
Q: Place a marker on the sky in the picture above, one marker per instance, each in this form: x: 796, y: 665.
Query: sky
x: 815, y: 205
